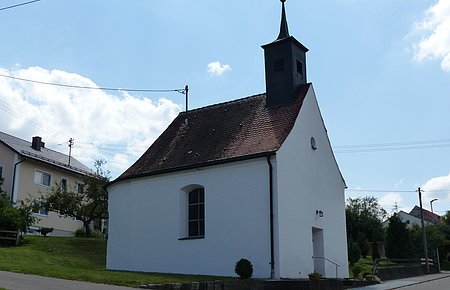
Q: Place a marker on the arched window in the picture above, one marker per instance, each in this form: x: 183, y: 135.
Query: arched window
x: 196, y: 213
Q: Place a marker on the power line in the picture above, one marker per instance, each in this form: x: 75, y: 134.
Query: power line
x: 17, y: 5
x: 398, y: 146
x: 394, y: 190
x: 378, y: 190
x: 181, y: 91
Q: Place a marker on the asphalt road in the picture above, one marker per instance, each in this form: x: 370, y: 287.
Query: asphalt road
x: 439, y: 281
x: 15, y: 281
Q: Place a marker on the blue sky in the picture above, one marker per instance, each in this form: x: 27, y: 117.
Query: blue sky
x: 380, y: 69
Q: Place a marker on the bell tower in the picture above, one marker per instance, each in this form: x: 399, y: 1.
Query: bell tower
x: 285, y: 65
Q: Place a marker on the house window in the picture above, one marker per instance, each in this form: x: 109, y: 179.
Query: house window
x: 42, y: 178
x: 39, y: 208
x: 196, y: 213
x: 63, y: 184
x: 1, y: 171
x: 80, y: 187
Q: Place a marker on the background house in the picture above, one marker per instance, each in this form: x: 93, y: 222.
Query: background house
x: 253, y: 178
x: 428, y: 216
x: 30, y: 170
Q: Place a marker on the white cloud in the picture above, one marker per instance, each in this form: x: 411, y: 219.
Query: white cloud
x: 389, y: 200
x: 435, y: 31
x: 117, y: 128
x: 437, y: 187
x: 217, y: 69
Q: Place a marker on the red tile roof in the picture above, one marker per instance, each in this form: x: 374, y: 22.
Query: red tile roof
x: 220, y: 133
x: 427, y: 215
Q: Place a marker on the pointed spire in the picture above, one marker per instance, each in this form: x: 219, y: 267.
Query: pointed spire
x: 284, y: 30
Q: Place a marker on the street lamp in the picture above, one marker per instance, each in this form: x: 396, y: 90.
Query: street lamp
x: 431, y: 204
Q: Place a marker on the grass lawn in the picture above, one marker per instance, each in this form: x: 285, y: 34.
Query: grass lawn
x: 78, y: 259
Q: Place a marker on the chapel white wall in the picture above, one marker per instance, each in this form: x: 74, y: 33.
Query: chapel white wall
x: 309, y: 180
x: 145, y: 220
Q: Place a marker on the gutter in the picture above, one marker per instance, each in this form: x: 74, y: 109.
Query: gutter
x: 191, y: 166
x: 14, y: 178
x: 272, y: 247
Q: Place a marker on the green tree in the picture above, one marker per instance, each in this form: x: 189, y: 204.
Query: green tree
x: 398, y: 240
x: 14, y: 218
x: 364, y: 217
x: 375, y: 251
x: 1, y: 186
x: 354, y: 253
x: 86, y: 206
x: 437, y: 237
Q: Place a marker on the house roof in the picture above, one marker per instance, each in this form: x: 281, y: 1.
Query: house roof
x: 46, y: 155
x: 427, y: 215
x: 226, y: 132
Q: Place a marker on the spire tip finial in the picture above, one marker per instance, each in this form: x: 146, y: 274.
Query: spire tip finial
x: 284, y: 31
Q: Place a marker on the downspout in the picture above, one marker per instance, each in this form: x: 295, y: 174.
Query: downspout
x: 14, y: 178
x: 272, y: 247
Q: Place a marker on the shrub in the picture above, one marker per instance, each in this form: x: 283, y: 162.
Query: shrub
x: 45, y: 231
x: 244, y: 268
x: 354, y: 253
x: 314, y: 276
x: 375, y: 252
x: 96, y: 234
x: 356, y: 270
x: 80, y: 233
x: 15, y: 217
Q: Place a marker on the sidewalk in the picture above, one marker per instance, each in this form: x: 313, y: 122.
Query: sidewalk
x: 17, y: 281
x: 396, y: 284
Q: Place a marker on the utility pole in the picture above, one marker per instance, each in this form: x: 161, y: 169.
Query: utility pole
x: 424, y: 235
x: 186, y: 91
x: 70, y: 148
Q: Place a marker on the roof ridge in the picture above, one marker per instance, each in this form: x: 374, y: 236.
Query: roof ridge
x: 223, y: 103
x: 46, y: 148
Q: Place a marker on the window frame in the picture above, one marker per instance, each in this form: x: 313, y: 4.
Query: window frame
x: 196, y: 213
x: 61, y: 183
x: 41, y: 211
x: 192, y: 213
x: 41, y: 179
x: 83, y: 187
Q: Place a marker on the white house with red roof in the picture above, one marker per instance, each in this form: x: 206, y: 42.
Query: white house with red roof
x: 252, y: 178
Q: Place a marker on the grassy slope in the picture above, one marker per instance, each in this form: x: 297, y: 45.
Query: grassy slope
x: 77, y: 259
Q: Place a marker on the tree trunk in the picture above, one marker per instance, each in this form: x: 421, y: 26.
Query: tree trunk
x: 87, y: 228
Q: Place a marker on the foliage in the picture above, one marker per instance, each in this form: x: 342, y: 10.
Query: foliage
x: 356, y: 270
x: 436, y: 238
x: 79, y: 259
x: 45, y: 231
x: 244, y: 268
x: 446, y: 218
x: 354, y: 253
x: 314, y: 276
x: 15, y: 218
x: 87, y: 206
x: 398, y: 240
x: 363, y: 245
x: 1, y: 186
x: 96, y: 234
x: 375, y: 251
x: 364, y: 217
